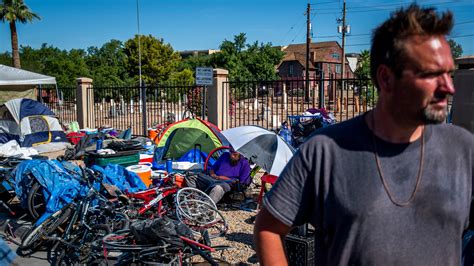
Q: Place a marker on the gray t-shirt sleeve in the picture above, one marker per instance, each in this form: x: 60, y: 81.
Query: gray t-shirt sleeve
x: 292, y: 198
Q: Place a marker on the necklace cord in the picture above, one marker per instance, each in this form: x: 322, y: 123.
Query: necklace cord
x: 382, y: 178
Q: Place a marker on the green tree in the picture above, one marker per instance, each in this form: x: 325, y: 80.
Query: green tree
x: 158, y: 60
x: 184, y: 77
x: 64, y: 65
x: 366, y: 89
x: 363, y: 65
x: 5, y: 59
x: 31, y: 59
x: 13, y: 11
x: 247, y: 61
x: 108, y: 65
x: 456, y: 49
x: 195, y: 61
x: 261, y: 59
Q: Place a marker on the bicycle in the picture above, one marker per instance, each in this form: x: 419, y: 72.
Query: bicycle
x: 165, y: 241
x: 190, y: 206
x: 76, y: 223
x: 198, y: 211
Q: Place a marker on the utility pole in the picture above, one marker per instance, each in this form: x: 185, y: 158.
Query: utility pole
x: 343, y: 59
x: 308, y: 42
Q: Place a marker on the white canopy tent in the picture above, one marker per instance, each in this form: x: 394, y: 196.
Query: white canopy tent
x: 19, y: 83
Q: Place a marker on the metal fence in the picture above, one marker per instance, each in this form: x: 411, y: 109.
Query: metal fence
x: 269, y: 103
x: 263, y: 103
x: 62, y: 101
x: 122, y: 107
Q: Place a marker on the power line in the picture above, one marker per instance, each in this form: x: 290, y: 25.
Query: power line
x: 299, y: 32
x: 323, y: 3
x: 464, y: 22
x: 291, y: 28
x: 462, y: 36
x: 379, y: 8
x: 359, y: 44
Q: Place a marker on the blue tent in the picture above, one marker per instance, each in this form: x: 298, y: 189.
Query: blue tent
x: 30, y: 123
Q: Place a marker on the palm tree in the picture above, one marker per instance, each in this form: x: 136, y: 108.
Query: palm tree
x: 13, y: 11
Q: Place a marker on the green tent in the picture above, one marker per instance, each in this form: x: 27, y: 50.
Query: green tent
x: 182, y: 136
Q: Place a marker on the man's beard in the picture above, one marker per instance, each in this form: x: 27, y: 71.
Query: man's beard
x: 234, y: 162
x: 432, y: 115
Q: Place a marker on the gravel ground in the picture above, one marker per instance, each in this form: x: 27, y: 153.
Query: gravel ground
x: 239, y: 235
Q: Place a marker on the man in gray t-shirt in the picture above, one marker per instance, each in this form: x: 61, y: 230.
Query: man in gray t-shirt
x: 391, y: 187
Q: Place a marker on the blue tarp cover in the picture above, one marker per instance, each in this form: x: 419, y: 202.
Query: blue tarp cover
x: 193, y: 156
x: 117, y: 175
x: 60, y: 182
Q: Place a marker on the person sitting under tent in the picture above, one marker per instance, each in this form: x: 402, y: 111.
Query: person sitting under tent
x: 229, y: 171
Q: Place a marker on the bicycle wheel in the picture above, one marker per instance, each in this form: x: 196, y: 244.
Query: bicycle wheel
x: 185, y: 200
x: 204, y: 218
x: 122, y: 241
x: 37, y: 235
x: 162, y: 255
x: 36, y: 203
x: 84, y: 248
x: 121, y: 221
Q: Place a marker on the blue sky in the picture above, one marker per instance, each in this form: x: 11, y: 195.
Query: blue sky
x: 204, y: 24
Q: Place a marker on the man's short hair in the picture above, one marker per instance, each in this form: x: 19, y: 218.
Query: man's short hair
x: 388, y: 39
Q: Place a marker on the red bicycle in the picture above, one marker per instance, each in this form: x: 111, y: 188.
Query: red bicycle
x: 189, y: 205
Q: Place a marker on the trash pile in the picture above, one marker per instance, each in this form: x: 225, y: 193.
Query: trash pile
x: 108, y: 189
x: 302, y: 126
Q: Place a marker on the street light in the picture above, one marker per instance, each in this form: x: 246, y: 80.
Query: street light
x: 142, y: 89
x: 139, y: 48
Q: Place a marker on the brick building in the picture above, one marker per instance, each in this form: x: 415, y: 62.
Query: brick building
x: 325, y: 57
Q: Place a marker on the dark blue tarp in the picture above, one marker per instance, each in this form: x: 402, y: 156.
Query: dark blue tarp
x: 117, y: 175
x: 60, y: 182
x: 61, y: 185
x: 193, y: 156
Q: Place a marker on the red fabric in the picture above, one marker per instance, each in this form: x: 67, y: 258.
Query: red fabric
x: 265, y: 179
x: 75, y: 137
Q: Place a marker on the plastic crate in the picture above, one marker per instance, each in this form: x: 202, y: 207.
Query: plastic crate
x: 300, y: 249
x: 123, y: 158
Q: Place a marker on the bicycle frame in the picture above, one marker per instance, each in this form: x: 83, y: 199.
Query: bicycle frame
x: 153, y: 197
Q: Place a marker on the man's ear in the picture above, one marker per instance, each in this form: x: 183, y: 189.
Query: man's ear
x: 385, y: 78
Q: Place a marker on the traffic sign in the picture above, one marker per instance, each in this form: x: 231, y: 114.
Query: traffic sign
x: 204, y: 76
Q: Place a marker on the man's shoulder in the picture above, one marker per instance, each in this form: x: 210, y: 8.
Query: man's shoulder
x: 341, y: 131
x: 453, y: 131
x: 350, y: 135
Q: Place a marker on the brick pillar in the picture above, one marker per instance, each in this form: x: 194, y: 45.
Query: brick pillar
x: 218, y: 96
x: 85, y: 103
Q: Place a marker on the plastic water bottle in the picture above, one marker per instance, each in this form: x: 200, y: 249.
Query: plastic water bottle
x: 169, y: 165
x: 150, y: 148
x: 98, y: 145
x: 285, y: 133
